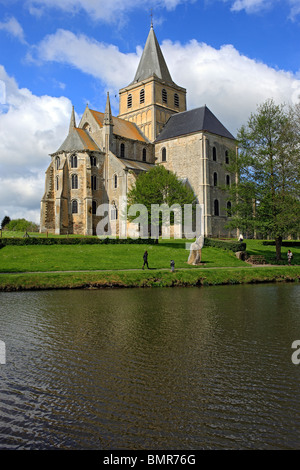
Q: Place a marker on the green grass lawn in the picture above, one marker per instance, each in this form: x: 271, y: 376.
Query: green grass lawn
x: 91, y: 257
x: 118, y: 257
x: 255, y: 247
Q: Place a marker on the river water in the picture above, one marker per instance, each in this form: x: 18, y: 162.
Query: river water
x: 173, y: 368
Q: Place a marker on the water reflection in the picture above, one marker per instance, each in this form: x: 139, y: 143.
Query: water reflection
x: 193, y: 368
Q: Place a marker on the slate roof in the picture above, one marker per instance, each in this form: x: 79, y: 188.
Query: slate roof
x: 152, y: 62
x: 136, y: 165
x: 121, y: 127
x: 77, y: 139
x: 195, y: 120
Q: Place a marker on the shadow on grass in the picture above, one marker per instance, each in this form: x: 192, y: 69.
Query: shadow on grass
x: 175, y: 246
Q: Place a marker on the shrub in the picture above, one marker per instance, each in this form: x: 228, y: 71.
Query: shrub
x: 225, y: 245
x: 22, y: 225
x: 284, y: 243
x: 74, y: 241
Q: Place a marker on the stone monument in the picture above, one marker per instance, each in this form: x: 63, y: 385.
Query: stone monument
x: 195, y: 251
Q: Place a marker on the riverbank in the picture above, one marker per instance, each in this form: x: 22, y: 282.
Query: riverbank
x: 149, y: 278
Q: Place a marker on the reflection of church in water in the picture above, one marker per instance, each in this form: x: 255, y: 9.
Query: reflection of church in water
x: 101, y: 157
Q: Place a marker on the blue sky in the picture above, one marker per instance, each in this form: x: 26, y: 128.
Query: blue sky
x: 229, y: 54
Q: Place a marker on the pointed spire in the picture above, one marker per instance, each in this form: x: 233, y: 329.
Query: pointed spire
x: 152, y: 61
x: 108, y: 120
x: 72, y: 121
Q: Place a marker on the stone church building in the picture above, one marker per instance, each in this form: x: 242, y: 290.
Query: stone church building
x: 103, y: 155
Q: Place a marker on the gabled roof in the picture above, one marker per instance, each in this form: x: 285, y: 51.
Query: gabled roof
x: 121, y: 127
x: 78, y: 139
x: 195, y: 120
x: 152, y: 62
x: 136, y: 165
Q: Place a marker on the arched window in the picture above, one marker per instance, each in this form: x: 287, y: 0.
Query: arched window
x: 216, y: 207
x: 74, y: 161
x: 214, y: 154
x: 74, y: 182
x: 176, y: 100
x: 227, y: 180
x: 114, y: 212
x: 215, y: 179
x: 74, y: 206
x: 94, y: 207
x: 164, y: 155
x: 57, y: 183
x: 229, y: 209
x: 226, y: 157
x: 144, y: 155
x: 93, y: 161
x: 93, y: 182
x: 142, y: 96
x: 122, y: 150
x: 57, y: 163
x: 164, y: 95
x: 129, y: 101
x: 87, y: 127
x: 115, y: 181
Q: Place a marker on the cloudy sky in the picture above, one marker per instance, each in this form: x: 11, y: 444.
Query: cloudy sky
x: 230, y: 55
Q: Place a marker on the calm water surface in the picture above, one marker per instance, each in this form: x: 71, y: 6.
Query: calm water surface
x: 186, y: 368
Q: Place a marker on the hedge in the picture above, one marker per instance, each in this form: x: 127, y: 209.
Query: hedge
x: 284, y: 243
x: 225, y: 245
x: 74, y: 241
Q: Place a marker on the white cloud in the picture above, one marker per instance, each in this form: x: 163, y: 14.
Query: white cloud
x: 230, y: 84
x: 256, y: 6
x: 13, y: 27
x: 31, y: 127
x: 88, y: 55
x: 110, y: 11
x: 295, y: 8
x: 251, y: 6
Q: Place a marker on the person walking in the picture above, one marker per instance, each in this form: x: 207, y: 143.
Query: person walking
x: 289, y: 257
x: 145, y: 257
x: 172, y: 264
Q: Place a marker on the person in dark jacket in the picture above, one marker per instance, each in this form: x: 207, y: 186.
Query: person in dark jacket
x: 145, y: 257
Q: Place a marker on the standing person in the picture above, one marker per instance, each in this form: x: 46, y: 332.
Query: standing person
x: 172, y: 264
x: 145, y: 257
x: 289, y: 257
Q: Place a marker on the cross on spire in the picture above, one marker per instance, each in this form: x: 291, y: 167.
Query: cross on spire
x: 151, y: 15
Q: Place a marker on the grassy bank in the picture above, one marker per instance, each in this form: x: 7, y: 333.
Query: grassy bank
x: 59, y: 266
x: 155, y: 278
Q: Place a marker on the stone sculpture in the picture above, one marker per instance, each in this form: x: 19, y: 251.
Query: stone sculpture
x: 195, y: 251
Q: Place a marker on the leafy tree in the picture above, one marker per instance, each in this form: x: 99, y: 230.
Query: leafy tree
x: 22, y: 225
x: 5, y: 221
x: 265, y: 198
x: 159, y: 186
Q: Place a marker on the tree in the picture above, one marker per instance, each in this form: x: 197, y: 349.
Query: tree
x: 22, y: 225
x: 159, y: 186
x: 5, y: 221
x: 265, y: 198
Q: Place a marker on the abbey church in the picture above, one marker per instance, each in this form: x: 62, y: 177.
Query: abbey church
x: 102, y: 155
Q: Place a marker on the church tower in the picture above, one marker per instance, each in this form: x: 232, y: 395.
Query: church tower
x: 152, y: 97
